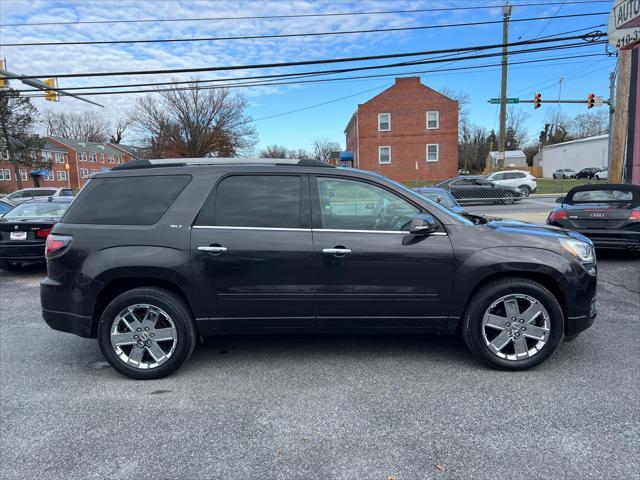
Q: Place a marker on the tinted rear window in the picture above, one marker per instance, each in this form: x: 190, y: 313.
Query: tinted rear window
x: 259, y: 201
x: 126, y: 200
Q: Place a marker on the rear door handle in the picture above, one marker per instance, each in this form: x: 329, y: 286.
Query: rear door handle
x: 212, y: 249
x: 336, y: 251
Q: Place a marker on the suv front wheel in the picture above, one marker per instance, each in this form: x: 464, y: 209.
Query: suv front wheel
x: 146, y: 333
x: 513, y: 324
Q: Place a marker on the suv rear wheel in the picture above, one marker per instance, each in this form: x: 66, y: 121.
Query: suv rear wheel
x: 146, y: 333
x: 513, y: 324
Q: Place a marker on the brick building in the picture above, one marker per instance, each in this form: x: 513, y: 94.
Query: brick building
x: 50, y: 154
x: 83, y: 158
x: 408, y: 132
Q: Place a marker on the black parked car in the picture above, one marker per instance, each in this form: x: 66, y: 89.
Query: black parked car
x: 609, y: 214
x: 587, y: 173
x: 25, y: 228
x: 220, y: 246
x: 478, y: 189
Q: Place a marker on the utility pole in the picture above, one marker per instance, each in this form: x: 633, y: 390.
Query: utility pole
x: 506, y: 13
x: 612, y: 110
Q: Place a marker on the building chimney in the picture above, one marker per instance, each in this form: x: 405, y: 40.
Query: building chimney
x: 407, y: 80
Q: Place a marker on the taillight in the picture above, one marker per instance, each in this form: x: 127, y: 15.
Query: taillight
x: 558, y: 215
x: 43, y: 233
x: 635, y: 216
x: 56, y: 243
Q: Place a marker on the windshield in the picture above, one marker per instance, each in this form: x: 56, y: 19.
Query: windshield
x: 414, y: 194
x: 39, y: 209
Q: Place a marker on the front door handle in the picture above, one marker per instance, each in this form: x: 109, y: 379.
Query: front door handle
x: 339, y: 251
x: 212, y: 249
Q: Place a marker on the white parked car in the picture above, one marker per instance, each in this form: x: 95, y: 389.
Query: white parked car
x: 522, y: 180
x: 25, y: 194
x: 602, y: 174
x: 564, y: 173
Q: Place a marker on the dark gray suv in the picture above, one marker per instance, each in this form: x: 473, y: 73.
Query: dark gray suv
x: 154, y: 254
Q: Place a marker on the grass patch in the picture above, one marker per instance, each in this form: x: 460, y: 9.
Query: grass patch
x: 545, y: 185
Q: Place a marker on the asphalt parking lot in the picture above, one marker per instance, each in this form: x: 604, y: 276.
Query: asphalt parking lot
x: 322, y: 407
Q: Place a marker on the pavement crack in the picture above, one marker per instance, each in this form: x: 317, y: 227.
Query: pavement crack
x: 620, y: 285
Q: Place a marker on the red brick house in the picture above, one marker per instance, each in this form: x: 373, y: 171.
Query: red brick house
x: 83, y: 159
x: 50, y: 154
x: 408, y: 132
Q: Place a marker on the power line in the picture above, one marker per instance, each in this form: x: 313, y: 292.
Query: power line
x: 259, y: 84
x: 292, y: 35
x: 555, y: 15
x: 591, y: 38
x: 300, y: 15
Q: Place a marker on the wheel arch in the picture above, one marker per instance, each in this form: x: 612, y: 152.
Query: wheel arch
x: 119, y: 285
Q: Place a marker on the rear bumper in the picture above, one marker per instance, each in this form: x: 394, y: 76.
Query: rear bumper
x: 22, y: 252
x: 603, y: 238
x: 69, y: 322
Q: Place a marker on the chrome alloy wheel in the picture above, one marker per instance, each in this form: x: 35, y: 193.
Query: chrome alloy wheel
x: 143, y: 336
x: 516, y: 326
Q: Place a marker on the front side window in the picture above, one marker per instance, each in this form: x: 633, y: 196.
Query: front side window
x: 384, y: 155
x: 433, y: 152
x: 353, y: 205
x: 384, y: 122
x: 266, y: 201
x: 433, y: 120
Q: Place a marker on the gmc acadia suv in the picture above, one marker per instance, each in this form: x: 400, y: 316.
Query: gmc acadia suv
x: 156, y: 253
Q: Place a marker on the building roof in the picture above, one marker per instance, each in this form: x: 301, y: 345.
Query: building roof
x: 509, y: 154
x: 52, y: 147
x: 90, y: 147
x: 132, y: 149
x: 580, y: 140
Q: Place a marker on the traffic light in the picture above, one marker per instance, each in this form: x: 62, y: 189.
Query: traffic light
x: 591, y: 100
x: 537, y: 100
x: 51, y: 95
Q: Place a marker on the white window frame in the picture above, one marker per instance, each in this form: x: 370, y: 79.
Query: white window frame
x: 388, y: 123
x: 23, y: 174
x: 59, y: 157
x: 437, y: 120
x: 437, y: 159
x: 61, y: 175
x: 380, y: 154
x: 6, y: 176
x: 50, y: 176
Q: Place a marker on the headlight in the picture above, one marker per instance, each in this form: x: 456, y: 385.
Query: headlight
x: 582, y: 251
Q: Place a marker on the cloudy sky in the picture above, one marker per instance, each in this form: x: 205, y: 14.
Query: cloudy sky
x: 298, y: 128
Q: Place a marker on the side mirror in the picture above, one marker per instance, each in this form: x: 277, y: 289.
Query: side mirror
x: 560, y: 200
x: 423, y: 224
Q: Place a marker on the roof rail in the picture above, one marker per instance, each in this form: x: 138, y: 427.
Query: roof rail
x: 217, y: 161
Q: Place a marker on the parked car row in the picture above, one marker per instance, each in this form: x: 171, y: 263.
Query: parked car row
x: 586, y: 173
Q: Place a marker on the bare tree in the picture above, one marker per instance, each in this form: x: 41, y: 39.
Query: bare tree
x: 590, y: 124
x: 323, y: 147
x: 84, y: 126
x: 198, y: 122
x: 274, y: 151
x: 16, y: 126
x: 464, y: 100
x: 119, y: 129
x: 516, y: 134
x: 300, y: 154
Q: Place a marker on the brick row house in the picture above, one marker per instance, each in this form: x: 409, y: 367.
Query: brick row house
x: 407, y: 132
x: 83, y: 159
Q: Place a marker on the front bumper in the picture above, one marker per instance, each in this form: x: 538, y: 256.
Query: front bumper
x: 33, y: 252
x: 575, y: 325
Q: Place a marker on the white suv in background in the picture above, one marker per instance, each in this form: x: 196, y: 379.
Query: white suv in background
x: 25, y: 194
x: 523, y: 181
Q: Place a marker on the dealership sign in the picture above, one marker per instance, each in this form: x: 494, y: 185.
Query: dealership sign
x: 624, y: 24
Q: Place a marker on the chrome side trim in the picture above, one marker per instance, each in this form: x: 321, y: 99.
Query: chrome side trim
x: 330, y: 230
x: 253, y: 228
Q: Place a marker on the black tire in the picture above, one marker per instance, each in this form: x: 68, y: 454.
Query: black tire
x: 171, y: 304
x: 10, y: 266
x: 508, y: 199
x: 524, y: 190
x: 472, y: 329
